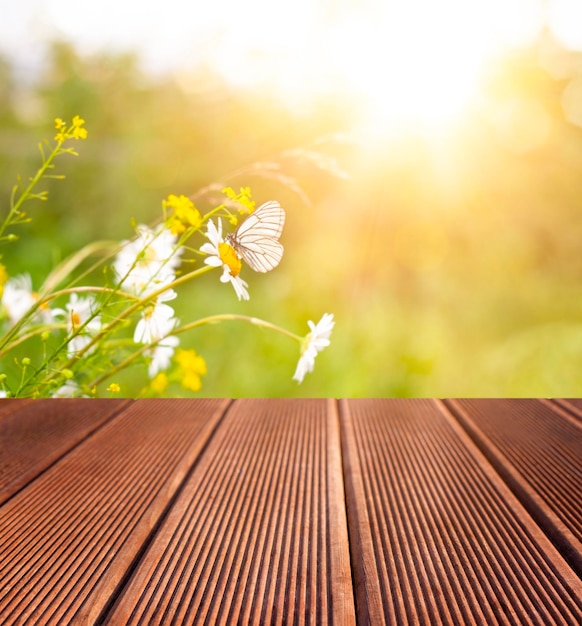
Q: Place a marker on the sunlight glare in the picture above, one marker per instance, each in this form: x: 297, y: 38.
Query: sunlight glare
x: 405, y: 64
x: 414, y: 62
x: 565, y: 17
x: 391, y: 62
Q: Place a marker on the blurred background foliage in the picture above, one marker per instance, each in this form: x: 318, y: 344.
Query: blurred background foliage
x: 451, y: 259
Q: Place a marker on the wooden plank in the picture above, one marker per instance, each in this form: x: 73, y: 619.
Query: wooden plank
x: 436, y: 535
x: 258, y: 534
x: 9, y: 405
x: 537, y: 448
x: 34, y: 434
x: 572, y: 405
x: 68, y: 540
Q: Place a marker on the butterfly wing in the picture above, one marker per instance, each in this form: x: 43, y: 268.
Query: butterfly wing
x: 256, y: 239
x: 263, y: 255
x: 267, y: 221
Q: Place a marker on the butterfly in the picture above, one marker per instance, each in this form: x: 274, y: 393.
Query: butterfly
x: 256, y: 239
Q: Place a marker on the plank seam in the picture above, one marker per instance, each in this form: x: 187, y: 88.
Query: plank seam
x: 566, y: 409
x: 122, y: 407
x: 108, y: 607
x: 338, y: 521
x: 357, y: 521
x: 551, y: 526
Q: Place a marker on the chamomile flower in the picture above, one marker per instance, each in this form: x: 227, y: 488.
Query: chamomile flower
x: 314, y: 342
x: 18, y: 297
x: 82, y: 323
x: 148, y: 262
x: 161, y: 355
x: 70, y: 389
x: 157, y: 319
x: 222, y: 254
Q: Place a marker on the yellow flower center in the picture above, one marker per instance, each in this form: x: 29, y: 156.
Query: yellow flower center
x: 229, y: 257
x: 75, y: 320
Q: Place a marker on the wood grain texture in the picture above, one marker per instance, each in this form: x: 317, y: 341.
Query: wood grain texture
x: 275, y: 511
x: 68, y: 540
x: 34, y: 434
x: 436, y: 534
x: 537, y: 448
x: 258, y: 533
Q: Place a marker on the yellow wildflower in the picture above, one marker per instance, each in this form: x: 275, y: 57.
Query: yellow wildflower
x: 184, y: 215
x: 159, y: 383
x: 191, y: 367
x: 243, y: 198
x: 76, y: 131
x: 114, y: 388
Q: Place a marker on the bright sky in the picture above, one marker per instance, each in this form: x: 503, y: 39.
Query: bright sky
x: 418, y: 57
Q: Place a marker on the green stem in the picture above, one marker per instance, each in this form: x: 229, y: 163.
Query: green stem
x: 6, y: 346
x: 32, y: 333
x: 134, y: 307
x: 69, y: 264
x: 222, y: 317
x: 15, y: 206
x: 212, y: 319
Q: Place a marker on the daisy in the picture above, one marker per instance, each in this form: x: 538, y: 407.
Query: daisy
x: 221, y: 254
x: 314, y: 342
x: 157, y: 319
x: 161, y: 355
x: 70, y: 389
x: 18, y: 298
x: 148, y: 262
x: 82, y: 324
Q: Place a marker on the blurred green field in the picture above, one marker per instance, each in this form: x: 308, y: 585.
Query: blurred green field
x: 451, y: 260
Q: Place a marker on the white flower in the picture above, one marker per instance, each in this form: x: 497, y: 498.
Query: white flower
x: 149, y: 261
x: 18, y: 297
x: 314, y: 342
x: 157, y: 319
x: 221, y: 254
x: 239, y: 285
x: 161, y: 355
x: 69, y: 390
x: 80, y: 319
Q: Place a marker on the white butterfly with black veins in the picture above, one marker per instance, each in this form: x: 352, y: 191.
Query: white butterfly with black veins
x: 256, y: 240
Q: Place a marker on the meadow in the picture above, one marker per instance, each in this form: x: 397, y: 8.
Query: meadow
x: 449, y: 255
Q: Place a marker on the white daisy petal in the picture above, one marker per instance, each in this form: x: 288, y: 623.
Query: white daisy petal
x: 214, y: 234
x: 315, y: 342
x: 18, y: 297
x: 157, y: 321
x: 148, y: 262
x: 82, y: 323
x: 161, y: 355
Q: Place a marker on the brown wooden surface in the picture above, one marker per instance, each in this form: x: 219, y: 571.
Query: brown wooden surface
x: 291, y: 512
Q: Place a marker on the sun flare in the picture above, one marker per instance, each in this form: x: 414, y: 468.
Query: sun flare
x: 418, y: 62
x: 389, y: 62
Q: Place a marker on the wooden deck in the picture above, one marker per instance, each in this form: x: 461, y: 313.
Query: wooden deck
x: 291, y: 512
